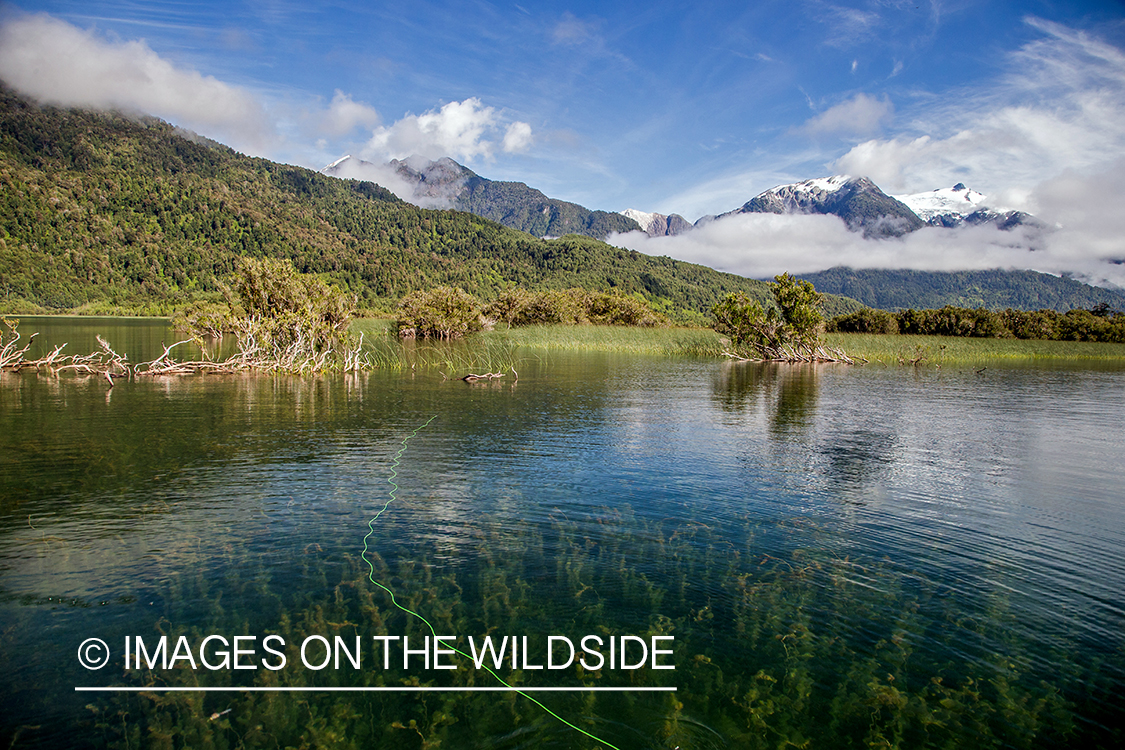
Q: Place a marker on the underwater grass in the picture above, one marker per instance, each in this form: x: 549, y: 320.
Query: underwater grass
x: 768, y: 652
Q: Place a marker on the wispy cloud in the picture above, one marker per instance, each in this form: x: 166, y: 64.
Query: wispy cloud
x: 848, y: 26
x: 575, y: 31
x: 1060, y: 106
x: 859, y: 116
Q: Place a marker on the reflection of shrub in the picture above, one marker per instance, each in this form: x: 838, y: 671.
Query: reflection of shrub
x: 865, y: 321
x: 442, y: 313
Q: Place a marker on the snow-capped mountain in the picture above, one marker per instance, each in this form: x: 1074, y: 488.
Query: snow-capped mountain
x: 958, y: 205
x: 856, y: 200
x: 944, y: 207
x: 658, y: 225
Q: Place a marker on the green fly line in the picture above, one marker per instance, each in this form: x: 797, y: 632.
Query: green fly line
x: 394, y: 601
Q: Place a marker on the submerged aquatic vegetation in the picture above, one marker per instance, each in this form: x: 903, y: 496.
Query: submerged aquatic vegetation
x: 806, y: 649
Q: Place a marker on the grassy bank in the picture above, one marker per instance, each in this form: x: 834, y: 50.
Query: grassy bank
x: 702, y: 342
x: 948, y: 350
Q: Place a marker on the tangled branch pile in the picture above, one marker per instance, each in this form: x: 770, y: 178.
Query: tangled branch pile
x: 284, y: 322
x: 789, y: 332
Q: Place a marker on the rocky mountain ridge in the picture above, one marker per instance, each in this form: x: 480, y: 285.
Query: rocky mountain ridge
x: 443, y: 183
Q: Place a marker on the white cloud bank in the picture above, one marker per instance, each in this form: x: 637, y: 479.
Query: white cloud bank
x: 57, y: 63
x: 1088, y: 241
x: 1047, y: 138
x: 1060, y: 107
x: 461, y: 130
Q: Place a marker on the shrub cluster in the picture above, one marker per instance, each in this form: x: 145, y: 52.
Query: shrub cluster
x: 518, y: 307
x: 446, y: 312
x: 442, y: 313
x: 789, y: 331
x: 1098, y: 324
x: 282, y: 320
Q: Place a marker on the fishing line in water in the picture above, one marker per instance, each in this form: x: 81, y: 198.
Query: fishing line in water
x: 371, y: 576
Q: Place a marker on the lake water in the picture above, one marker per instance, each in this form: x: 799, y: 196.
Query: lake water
x: 842, y: 556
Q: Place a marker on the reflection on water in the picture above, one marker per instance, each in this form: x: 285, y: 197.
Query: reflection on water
x: 845, y: 557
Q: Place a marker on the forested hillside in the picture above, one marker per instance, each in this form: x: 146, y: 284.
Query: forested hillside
x: 100, y: 210
x: 993, y: 290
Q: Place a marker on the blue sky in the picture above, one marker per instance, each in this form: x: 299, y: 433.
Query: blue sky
x: 656, y: 106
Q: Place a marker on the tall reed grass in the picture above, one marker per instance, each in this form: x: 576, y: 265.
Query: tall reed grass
x: 501, y: 349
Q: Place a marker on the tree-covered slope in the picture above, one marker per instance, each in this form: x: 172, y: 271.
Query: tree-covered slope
x: 105, y: 210
x: 994, y: 290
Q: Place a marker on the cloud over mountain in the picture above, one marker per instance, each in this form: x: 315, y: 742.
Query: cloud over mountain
x: 461, y: 130
x: 58, y: 63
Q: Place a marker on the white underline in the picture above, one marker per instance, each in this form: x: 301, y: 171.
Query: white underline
x: 374, y: 689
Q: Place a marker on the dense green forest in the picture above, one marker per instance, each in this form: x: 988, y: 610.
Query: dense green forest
x: 1100, y: 323
x: 992, y: 290
x: 102, y: 212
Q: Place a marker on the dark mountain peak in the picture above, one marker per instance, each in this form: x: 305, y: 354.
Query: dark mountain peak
x: 856, y: 200
x: 443, y: 182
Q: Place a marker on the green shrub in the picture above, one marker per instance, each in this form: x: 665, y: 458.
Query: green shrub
x: 953, y: 321
x: 543, y: 308
x: 619, y: 310
x: 868, y: 320
x: 791, y: 330
x: 442, y: 313
x: 518, y: 307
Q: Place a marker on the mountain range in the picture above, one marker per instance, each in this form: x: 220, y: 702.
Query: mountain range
x: 101, y: 212
x: 444, y: 183
x: 858, y: 201
x: 865, y: 208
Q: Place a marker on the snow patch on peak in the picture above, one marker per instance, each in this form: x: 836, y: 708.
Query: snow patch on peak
x: 337, y: 163
x: 819, y: 184
x: 934, y: 204
x: 645, y: 219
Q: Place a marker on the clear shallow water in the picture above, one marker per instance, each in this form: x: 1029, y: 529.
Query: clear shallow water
x: 847, y: 557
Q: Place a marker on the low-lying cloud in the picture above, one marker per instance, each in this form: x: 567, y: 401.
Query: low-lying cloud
x: 1087, y: 241
x: 57, y: 63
